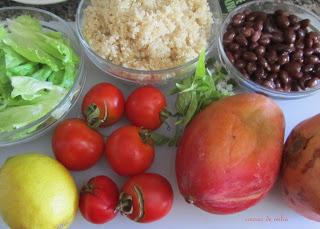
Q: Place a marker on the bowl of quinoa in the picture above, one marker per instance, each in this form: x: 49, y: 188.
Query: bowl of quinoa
x: 147, y: 41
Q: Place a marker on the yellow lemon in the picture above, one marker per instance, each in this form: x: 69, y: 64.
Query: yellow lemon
x: 37, y: 192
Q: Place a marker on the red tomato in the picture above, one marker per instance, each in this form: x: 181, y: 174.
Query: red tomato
x: 151, y: 196
x: 103, y: 105
x: 144, y: 107
x: 127, y: 152
x: 98, y: 200
x: 77, y: 146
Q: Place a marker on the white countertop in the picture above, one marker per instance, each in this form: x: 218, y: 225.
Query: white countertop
x: 272, y: 211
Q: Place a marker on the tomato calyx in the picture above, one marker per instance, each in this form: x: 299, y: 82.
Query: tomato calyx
x: 153, y: 138
x: 92, y: 114
x: 125, y: 204
x: 88, y: 188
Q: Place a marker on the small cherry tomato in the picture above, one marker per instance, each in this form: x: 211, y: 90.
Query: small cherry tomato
x: 103, y: 105
x: 98, y: 200
x: 146, y: 198
x: 77, y: 146
x: 128, y: 152
x: 145, y: 107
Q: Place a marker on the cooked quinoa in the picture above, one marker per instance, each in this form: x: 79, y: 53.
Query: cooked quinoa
x: 148, y: 34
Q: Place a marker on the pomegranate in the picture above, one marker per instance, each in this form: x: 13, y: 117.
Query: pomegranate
x: 230, y: 154
x: 301, y: 169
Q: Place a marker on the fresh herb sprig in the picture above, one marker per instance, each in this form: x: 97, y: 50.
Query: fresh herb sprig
x: 197, y: 92
x: 210, y: 83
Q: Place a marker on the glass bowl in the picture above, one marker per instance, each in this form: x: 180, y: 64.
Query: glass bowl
x: 266, y: 6
x: 143, y: 76
x: 35, y: 129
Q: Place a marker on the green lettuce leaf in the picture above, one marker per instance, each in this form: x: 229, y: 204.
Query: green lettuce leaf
x: 29, y: 88
x: 23, y: 70
x: 19, y: 116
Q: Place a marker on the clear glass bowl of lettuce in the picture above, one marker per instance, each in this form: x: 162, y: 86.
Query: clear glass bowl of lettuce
x: 41, y: 72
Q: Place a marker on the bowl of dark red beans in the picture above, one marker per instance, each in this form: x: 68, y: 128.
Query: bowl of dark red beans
x: 273, y: 48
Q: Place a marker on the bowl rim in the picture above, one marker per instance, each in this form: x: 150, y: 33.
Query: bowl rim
x: 80, y: 73
x: 238, y: 75
x: 88, y: 48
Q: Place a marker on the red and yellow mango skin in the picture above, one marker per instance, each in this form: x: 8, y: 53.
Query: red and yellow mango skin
x: 230, y: 154
x: 300, y: 172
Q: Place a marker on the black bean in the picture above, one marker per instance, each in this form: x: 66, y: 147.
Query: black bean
x: 297, y: 55
x: 238, y: 19
x: 317, y: 69
x: 230, y: 56
x: 258, y: 25
x: 302, y: 82
x: 284, y: 77
x: 275, y: 68
x: 308, y: 51
x: 248, y: 31
x: 314, y: 36
x: 272, y: 56
x: 240, y: 64
x: 241, y: 40
x: 308, y: 68
x: 309, y: 42
x: 229, y: 36
x: 256, y: 36
x: 234, y: 47
x: 253, y: 46
x: 299, y: 44
x: 260, y: 73
x: 312, y: 59
x: 283, y: 48
x: 305, y: 23
x: 264, y: 40
x: 316, y: 48
x: 268, y: 25
x: 282, y: 21
x: 283, y: 59
x: 277, y: 37
x: 236, y: 55
x: 312, y: 83
x: 251, y: 68
x: 264, y: 63
x: 301, y: 33
x: 293, y: 68
x: 250, y: 56
x: 260, y: 50
x: 290, y: 36
x: 301, y: 61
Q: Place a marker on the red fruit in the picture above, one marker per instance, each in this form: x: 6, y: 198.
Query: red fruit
x: 145, y: 107
x: 229, y: 156
x: 146, y: 198
x: 128, y: 152
x: 300, y: 169
x: 77, y: 146
x: 98, y: 200
x: 103, y: 105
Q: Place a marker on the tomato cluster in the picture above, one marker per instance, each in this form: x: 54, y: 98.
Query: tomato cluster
x: 78, y: 145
